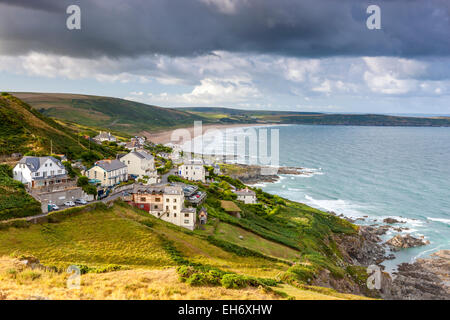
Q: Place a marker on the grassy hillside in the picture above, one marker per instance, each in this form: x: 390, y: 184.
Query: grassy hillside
x: 25, y: 130
x: 104, y: 112
x: 15, y: 202
x: 128, y: 254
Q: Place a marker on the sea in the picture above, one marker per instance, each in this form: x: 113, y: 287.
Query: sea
x: 370, y: 173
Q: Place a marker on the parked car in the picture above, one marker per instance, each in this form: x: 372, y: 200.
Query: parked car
x: 80, y: 201
x: 69, y: 204
x: 53, y: 207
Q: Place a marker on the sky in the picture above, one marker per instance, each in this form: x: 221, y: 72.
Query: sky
x: 297, y: 55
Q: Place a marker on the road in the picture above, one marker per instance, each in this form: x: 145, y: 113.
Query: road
x: 166, y: 175
x: 62, y: 207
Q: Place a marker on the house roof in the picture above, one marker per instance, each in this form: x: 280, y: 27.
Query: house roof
x: 246, y: 192
x: 110, y: 165
x: 104, y: 135
x: 229, y: 206
x: 174, y: 190
x: 34, y: 163
x: 194, y: 161
x: 142, y: 154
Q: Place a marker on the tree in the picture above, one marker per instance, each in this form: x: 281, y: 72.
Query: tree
x: 82, y: 181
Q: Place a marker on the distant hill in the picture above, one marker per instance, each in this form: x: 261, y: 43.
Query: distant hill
x: 129, y: 117
x: 315, y: 118
x: 25, y: 130
x: 111, y: 113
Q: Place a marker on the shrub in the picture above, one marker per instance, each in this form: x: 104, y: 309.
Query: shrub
x: 234, y: 281
x: 197, y: 279
x: 82, y: 181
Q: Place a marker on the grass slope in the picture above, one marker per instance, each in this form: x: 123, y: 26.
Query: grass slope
x: 25, y: 130
x: 104, y: 112
x: 15, y: 202
x: 137, y: 245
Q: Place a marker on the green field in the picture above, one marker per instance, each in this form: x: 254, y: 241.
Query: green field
x: 123, y: 238
x: 252, y: 241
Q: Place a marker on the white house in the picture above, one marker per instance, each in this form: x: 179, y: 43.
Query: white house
x: 38, y: 172
x: 105, y: 136
x: 108, y: 172
x: 246, y: 195
x: 192, y: 170
x: 141, y: 164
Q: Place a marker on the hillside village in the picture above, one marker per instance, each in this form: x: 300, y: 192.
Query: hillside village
x: 169, y: 191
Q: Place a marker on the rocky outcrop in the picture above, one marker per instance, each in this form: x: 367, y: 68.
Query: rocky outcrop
x: 407, y: 241
x: 363, y: 249
x: 391, y: 221
x: 425, y: 279
x: 251, y: 174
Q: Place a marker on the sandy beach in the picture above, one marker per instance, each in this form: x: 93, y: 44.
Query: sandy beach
x: 164, y: 136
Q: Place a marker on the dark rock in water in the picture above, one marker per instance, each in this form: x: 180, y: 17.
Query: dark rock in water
x: 381, y: 230
x: 400, y: 242
x: 391, y: 221
x: 400, y: 229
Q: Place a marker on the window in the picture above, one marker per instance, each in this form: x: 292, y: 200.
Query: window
x: 157, y: 199
x: 174, y: 215
x: 37, y: 174
x: 186, y: 215
x: 175, y: 200
x: 167, y: 207
x: 143, y: 199
x: 167, y: 200
x: 186, y: 221
x: 174, y: 207
x: 141, y: 206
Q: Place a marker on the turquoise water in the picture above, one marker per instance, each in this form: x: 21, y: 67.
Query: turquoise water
x: 379, y: 172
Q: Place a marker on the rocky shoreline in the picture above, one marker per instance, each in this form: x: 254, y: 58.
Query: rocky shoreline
x: 253, y: 174
x: 424, y: 279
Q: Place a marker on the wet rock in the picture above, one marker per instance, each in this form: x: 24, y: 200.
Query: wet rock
x: 391, y: 221
x: 407, y: 241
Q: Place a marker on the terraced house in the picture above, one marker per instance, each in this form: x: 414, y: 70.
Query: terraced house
x: 193, y: 170
x: 165, y: 202
x: 108, y: 172
x: 142, y: 165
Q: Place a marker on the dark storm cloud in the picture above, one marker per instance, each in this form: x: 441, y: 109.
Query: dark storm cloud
x: 119, y: 28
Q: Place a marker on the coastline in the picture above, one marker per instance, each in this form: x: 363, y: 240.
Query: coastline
x: 163, y: 137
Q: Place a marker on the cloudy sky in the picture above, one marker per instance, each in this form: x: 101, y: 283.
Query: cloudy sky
x: 301, y: 55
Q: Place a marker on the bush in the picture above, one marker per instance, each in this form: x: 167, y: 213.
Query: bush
x: 234, y: 281
x: 82, y: 181
x: 197, y: 279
